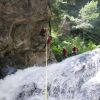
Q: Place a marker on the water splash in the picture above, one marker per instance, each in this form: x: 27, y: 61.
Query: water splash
x: 76, y: 78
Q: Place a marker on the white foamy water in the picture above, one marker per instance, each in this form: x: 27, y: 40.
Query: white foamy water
x: 76, y: 78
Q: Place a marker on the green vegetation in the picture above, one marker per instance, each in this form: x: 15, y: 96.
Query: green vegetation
x: 68, y: 43
x: 89, y: 12
x: 56, y: 14
x: 85, y: 26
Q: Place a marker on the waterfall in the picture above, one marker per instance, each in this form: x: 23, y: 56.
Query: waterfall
x: 75, y: 78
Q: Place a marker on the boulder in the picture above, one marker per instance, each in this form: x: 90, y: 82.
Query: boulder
x: 7, y: 71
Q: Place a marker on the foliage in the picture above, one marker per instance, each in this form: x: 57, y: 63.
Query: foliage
x: 89, y: 12
x: 56, y: 14
x: 88, y: 16
x: 68, y: 43
x: 55, y: 8
x: 86, y: 24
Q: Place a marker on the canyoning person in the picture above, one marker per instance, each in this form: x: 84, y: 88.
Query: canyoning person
x: 65, y: 53
x: 49, y: 40
x: 74, y: 50
x: 43, y: 32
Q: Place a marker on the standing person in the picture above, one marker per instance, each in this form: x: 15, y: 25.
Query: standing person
x: 74, y: 51
x: 64, y: 53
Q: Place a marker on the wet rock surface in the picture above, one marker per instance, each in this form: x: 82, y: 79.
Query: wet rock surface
x: 20, y: 24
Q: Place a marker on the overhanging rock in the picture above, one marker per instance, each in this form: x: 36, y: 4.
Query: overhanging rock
x: 20, y: 23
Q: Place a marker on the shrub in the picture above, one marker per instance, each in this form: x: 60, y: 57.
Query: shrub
x: 68, y: 43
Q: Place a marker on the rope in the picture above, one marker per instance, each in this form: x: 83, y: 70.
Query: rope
x: 46, y: 78
x: 46, y: 82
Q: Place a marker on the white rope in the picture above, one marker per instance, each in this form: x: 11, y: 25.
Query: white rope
x: 46, y: 81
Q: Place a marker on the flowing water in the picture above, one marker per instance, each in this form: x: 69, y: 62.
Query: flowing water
x: 75, y: 78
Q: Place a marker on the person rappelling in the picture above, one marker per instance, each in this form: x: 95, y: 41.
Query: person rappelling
x: 43, y: 32
x: 49, y: 40
x: 74, y: 51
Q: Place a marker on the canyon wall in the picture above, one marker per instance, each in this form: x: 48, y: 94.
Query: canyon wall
x: 20, y: 41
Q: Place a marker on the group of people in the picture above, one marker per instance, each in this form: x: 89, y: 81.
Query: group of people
x: 74, y: 52
x: 43, y: 32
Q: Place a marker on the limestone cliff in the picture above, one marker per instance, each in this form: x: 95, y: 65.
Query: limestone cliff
x: 20, y: 24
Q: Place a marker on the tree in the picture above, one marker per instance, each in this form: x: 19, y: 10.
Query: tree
x: 56, y: 14
x: 88, y: 21
x: 89, y: 13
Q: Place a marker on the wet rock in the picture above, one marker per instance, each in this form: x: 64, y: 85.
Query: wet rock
x: 7, y: 71
x: 20, y: 23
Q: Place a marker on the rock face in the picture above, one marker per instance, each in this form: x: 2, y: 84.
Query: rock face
x: 20, y: 24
